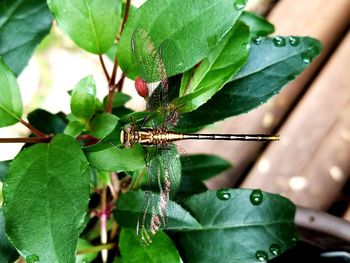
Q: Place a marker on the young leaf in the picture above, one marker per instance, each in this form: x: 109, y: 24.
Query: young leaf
x: 84, y: 98
x: 47, y: 122
x: 119, y: 100
x: 7, y: 252
x: 133, y: 250
x: 11, y: 108
x: 86, y: 257
x: 238, y: 226
x: 258, y: 25
x: 199, y: 28
x: 92, y: 25
x: 24, y: 23
x: 217, y: 69
x: 129, y: 209
x: 103, y: 124
x: 202, y: 166
x: 117, y: 159
x: 74, y: 128
x: 46, y: 195
x: 260, y: 79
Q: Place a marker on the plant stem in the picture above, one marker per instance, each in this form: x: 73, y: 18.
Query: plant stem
x: 111, y: 92
x: 47, y: 138
x: 96, y: 249
x: 104, y: 68
x: 33, y: 129
x: 103, y: 222
x: 111, y: 81
x: 26, y: 140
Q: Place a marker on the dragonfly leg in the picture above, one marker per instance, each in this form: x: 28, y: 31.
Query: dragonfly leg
x: 144, y: 121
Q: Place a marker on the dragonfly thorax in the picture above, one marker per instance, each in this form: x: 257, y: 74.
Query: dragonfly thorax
x: 148, y: 136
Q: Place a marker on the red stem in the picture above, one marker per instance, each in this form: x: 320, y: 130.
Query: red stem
x: 104, y: 68
x: 26, y: 140
x: 47, y: 138
x: 111, y: 92
x: 33, y: 129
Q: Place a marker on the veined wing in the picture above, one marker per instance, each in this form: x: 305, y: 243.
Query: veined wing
x: 164, y: 176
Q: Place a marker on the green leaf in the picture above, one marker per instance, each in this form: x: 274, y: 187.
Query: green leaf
x: 103, y: 124
x: 258, y: 25
x: 189, y: 186
x: 7, y: 252
x: 86, y: 257
x: 92, y: 25
x: 161, y: 250
x: 217, y: 69
x: 129, y: 209
x: 23, y: 24
x: 205, y: 21
x: 236, y: 230
x: 259, y: 80
x: 83, y: 98
x: 119, y: 100
x: 111, y: 158
x: 11, y: 108
x: 74, y: 128
x: 203, y: 166
x: 47, y: 122
x: 46, y: 195
x: 4, y: 166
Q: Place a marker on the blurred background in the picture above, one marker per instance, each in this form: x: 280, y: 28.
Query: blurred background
x: 311, y: 163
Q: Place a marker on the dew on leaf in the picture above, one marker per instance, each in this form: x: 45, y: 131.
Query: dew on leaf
x: 257, y: 40
x: 223, y: 194
x: 240, y: 4
x: 275, y: 249
x: 261, y: 256
x: 306, y: 57
x: 294, y: 41
x: 32, y: 259
x: 279, y: 41
x: 256, y: 197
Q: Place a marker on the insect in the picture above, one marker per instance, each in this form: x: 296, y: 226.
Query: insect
x: 155, y: 134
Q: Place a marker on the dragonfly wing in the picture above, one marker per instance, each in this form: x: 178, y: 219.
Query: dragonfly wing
x: 164, y: 174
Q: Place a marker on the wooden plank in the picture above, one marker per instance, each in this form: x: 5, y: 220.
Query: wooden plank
x: 322, y: 19
x: 313, y: 142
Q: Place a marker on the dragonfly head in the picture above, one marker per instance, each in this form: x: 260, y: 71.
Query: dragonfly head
x: 125, y: 137
x: 141, y: 87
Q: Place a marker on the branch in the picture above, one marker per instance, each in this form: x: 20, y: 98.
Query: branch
x: 26, y: 140
x: 47, y: 138
x: 111, y: 92
x: 96, y: 249
x: 33, y: 129
x: 104, y: 68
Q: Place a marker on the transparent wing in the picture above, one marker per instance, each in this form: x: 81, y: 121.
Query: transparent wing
x: 164, y: 176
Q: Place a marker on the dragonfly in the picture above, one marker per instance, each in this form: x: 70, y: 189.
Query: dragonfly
x: 157, y: 131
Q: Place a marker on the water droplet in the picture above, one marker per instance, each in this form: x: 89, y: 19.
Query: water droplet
x: 294, y: 41
x: 257, y: 40
x: 306, y: 57
x: 32, y: 258
x: 279, y: 41
x: 295, y: 238
x: 256, y: 197
x: 290, y: 77
x: 245, y: 45
x: 275, y: 249
x: 223, y: 194
x: 261, y: 256
x: 240, y: 4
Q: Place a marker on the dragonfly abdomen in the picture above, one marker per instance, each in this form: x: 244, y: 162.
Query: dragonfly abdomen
x: 231, y: 137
